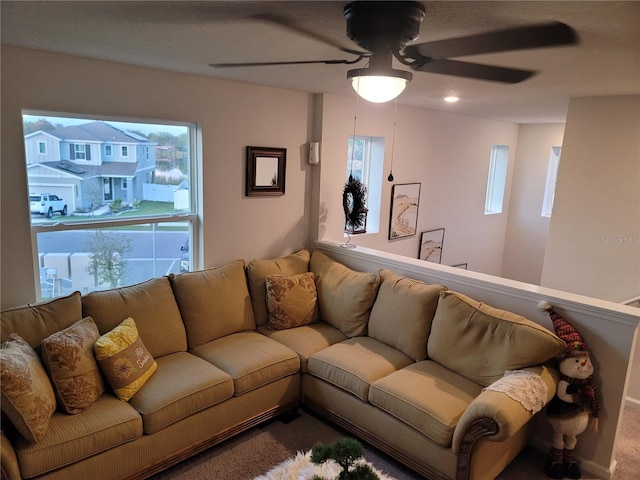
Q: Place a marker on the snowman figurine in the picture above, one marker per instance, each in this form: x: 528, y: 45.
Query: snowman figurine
x: 576, y: 404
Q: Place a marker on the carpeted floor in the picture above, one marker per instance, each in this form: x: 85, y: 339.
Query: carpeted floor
x: 258, y: 450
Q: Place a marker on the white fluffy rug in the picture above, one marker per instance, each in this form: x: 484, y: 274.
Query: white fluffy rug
x: 300, y: 467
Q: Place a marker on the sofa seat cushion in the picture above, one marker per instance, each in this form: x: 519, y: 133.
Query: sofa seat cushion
x: 153, y: 307
x: 251, y: 359
x: 306, y: 340
x: 182, y: 385
x: 356, y: 363
x: 106, y: 423
x: 427, y: 397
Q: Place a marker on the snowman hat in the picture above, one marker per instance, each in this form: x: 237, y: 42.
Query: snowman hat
x: 573, y: 340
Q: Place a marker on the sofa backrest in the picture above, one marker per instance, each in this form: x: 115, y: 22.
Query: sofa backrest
x: 214, y: 302
x: 152, y: 306
x: 36, y: 322
x: 481, y: 342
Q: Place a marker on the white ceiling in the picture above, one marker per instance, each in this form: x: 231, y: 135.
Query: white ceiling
x: 186, y: 36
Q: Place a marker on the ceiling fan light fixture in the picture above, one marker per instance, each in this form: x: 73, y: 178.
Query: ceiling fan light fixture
x: 378, y: 86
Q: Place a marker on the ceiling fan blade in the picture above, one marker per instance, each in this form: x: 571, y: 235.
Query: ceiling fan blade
x: 286, y: 23
x: 294, y: 62
x: 474, y: 70
x: 520, y: 38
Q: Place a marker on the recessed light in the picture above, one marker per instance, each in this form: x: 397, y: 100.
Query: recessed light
x: 451, y: 99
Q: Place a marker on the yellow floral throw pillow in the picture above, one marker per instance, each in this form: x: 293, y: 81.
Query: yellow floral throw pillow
x: 124, y: 360
x: 291, y: 300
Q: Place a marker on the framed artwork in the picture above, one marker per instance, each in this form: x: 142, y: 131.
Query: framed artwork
x: 431, y: 243
x: 403, y: 220
x: 266, y: 169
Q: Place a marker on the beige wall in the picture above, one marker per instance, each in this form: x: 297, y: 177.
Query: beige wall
x: 447, y: 154
x: 527, y: 229
x: 232, y: 116
x: 594, y: 237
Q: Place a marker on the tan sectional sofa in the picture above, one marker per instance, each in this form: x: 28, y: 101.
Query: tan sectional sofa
x: 414, y: 369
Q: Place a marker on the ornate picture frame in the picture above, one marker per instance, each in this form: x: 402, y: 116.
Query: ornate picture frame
x: 266, y: 171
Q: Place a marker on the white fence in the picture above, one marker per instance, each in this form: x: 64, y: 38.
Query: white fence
x: 158, y: 193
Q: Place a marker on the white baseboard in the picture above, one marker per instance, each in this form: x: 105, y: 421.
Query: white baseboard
x: 635, y: 401
x: 587, y: 466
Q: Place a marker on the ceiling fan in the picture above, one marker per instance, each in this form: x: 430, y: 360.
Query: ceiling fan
x: 384, y: 29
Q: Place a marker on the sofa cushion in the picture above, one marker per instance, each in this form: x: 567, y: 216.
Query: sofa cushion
x: 71, y: 364
x: 427, y: 397
x: 305, y: 340
x: 153, y: 307
x: 481, y: 342
x: 183, y: 384
x: 259, y: 270
x: 356, y: 363
x: 107, y: 423
x: 35, y: 322
x: 28, y: 399
x: 402, y: 313
x: 291, y: 300
x: 345, y: 296
x: 124, y: 359
x: 214, y: 302
x: 251, y: 359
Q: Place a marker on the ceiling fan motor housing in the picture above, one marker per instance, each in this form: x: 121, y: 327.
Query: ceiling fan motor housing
x: 383, y: 26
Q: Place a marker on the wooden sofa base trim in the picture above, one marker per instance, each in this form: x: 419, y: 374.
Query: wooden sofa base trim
x: 476, y: 431
x: 194, y: 449
x: 374, y: 440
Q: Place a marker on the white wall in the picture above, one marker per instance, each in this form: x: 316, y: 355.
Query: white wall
x: 447, y: 153
x: 527, y: 229
x: 594, y: 237
x: 232, y: 116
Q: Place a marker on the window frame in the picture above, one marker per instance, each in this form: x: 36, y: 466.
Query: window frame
x: 497, y: 179
x: 192, y: 217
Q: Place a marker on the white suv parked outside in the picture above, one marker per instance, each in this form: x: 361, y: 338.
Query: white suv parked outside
x: 46, y: 204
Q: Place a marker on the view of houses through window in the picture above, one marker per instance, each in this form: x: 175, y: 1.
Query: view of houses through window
x: 111, y: 201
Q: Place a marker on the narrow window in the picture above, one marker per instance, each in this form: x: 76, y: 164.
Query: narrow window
x: 552, y: 180
x: 365, y: 161
x: 42, y: 148
x: 108, y: 151
x: 497, y: 179
x: 125, y: 151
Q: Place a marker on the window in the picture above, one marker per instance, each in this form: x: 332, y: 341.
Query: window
x: 552, y: 179
x: 108, y: 151
x: 365, y: 161
x: 104, y: 230
x: 80, y: 152
x: 42, y: 148
x: 497, y: 180
x: 125, y: 151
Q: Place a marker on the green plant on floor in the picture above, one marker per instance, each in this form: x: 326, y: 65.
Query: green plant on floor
x: 344, y: 452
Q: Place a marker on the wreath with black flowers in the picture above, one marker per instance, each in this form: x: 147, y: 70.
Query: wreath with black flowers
x: 354, y: 198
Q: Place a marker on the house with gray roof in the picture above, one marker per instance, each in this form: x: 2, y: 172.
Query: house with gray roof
x: 90, y: 164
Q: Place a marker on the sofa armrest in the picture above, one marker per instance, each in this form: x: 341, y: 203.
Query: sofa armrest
x: 496, y: 416
x: 9, y: 468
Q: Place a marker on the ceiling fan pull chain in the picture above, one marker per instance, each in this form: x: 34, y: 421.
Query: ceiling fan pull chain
x: 393, y: 140
x: 353, y: 138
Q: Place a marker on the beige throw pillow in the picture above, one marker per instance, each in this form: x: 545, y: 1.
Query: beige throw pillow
x: 481, y: 342
x: 291, y: 300
x: 69, y: 359
x: 345, y: 296
x: 27, y: 396
x: 259, y: 270
x: 402, y: 313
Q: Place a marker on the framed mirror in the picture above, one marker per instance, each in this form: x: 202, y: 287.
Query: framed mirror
x: 266, y: 169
